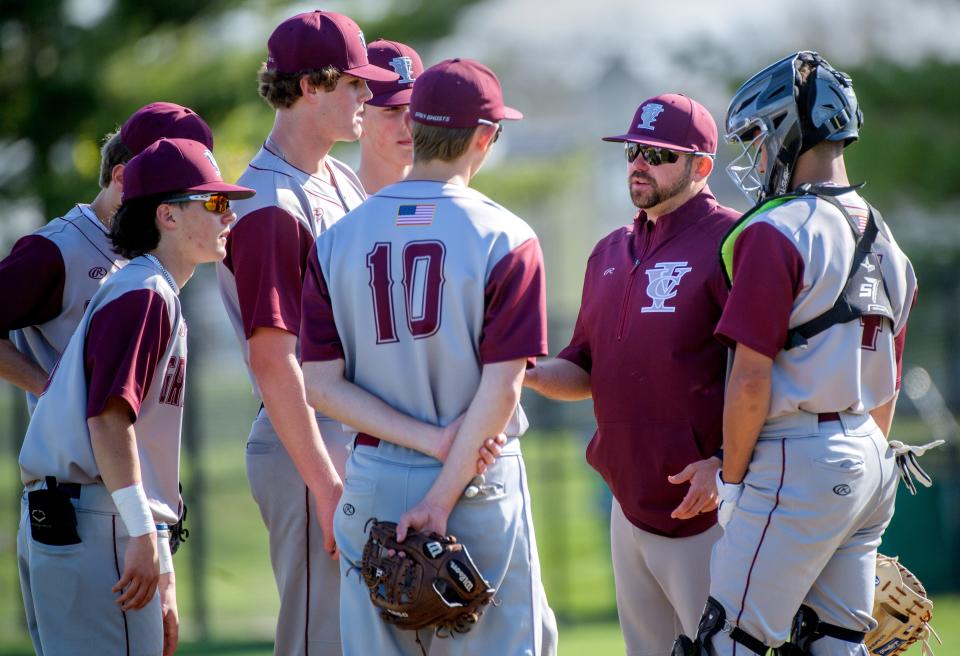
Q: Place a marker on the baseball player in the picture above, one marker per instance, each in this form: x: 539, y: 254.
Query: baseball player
x: 100, y: 460
x: 427, y: 302
x: 643, y: 348
x: 315, y: 78
x: 386, y: 145
x: 816, y: 316
x: 67, y: 260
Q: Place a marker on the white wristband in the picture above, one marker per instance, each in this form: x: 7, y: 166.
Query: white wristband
x: 163, y: 551
x: 134, y: 510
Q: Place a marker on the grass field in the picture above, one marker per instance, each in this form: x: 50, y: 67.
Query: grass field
x: 570, y: 510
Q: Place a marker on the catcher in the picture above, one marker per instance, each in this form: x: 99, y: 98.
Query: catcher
x: 428, y: 581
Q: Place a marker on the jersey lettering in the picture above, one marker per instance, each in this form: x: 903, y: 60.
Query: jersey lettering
x: 381, y: 285
x: 872, y: 327
x: 172, y: 391
x: 422, y: 288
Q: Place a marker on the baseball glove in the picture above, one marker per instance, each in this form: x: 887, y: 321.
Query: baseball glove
x: 902, y: 610
x: 428, y: 581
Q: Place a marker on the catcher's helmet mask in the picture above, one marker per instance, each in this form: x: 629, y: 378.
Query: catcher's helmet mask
x: 780, y: 112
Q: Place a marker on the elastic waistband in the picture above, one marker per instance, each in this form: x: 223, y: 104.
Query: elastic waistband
x: 805, y: 424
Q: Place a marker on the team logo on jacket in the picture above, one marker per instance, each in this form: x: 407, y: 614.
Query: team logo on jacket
x: 97, y: 272
x: 664, y: 279
x: 648, y: 116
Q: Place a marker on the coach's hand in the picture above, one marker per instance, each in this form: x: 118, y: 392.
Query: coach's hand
x: 141, y: 572
x: 327, y: 504
x: 425, y: 516
x: 171, y: 616
x: 702, y: 495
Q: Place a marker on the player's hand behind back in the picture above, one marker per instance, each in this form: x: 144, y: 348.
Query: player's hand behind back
x: 488, y: 453
x: 425, y: 516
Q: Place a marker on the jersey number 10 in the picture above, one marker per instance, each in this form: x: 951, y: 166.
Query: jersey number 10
x: 422, y: 288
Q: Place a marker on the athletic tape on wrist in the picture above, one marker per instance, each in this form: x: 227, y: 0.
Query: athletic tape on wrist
x: 163, y: 550
x: 131, y: 502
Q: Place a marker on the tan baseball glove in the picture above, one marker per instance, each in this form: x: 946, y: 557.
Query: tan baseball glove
x: 902, y: 610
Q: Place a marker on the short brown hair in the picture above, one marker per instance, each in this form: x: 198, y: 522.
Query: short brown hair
x: 446, y: 144
x: 112, y: 153
x: 281, y: 90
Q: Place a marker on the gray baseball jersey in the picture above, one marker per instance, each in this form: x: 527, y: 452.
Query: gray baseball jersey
x: 853, y: 366
x: 451, y: 281
x: 262, y: 276
x: 417, y: 290
x: 47, y: 281
x: 131, y: 344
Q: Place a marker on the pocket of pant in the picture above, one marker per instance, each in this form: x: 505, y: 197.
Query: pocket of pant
x: 842, y: 464
x: 260, y: 448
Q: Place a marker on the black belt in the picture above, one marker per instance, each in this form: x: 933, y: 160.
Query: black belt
x: 72, y: 490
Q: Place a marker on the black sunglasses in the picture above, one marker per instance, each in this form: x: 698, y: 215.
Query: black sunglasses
x: 650, y: 154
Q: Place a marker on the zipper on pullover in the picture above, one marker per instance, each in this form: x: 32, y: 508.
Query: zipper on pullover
x: 626, y: 299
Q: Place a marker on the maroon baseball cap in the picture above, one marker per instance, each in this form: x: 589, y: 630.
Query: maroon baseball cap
x: 459, y: 93
x: 672, y: 121
x: 176, y: 165
x: 315, y: 39
x: 402, y: 60
x: 163, y: 119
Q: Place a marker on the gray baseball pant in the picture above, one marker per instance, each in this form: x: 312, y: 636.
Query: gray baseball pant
x: 806, y: 531
x: 71, y: 610
x: 661, y: 583
x: 497, y: 528
x: 308, y: 580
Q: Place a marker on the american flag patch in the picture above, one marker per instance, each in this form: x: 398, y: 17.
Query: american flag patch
x: 415, y: 215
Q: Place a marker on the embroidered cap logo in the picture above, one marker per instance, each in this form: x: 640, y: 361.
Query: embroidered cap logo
x: 403, y: 66
x: 213, y: 162
x: 648, y: 116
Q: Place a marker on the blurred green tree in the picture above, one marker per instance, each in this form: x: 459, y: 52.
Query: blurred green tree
x: 73, y: 70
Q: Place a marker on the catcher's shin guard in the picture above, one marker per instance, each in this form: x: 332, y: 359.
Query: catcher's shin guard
x: 808, y: 628
x: 714, y: 620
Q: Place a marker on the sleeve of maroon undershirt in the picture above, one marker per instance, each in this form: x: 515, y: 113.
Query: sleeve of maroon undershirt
x: 125, y: 341
x: 31, y: 284
x: 767, y: 276
x: 267, y: 253
x: 319, y: 339
x: 515, y: 302
x: 900, y: 340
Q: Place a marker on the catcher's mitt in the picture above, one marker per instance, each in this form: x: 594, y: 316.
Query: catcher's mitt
x: 902, y: 610
x: 430, y: 580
